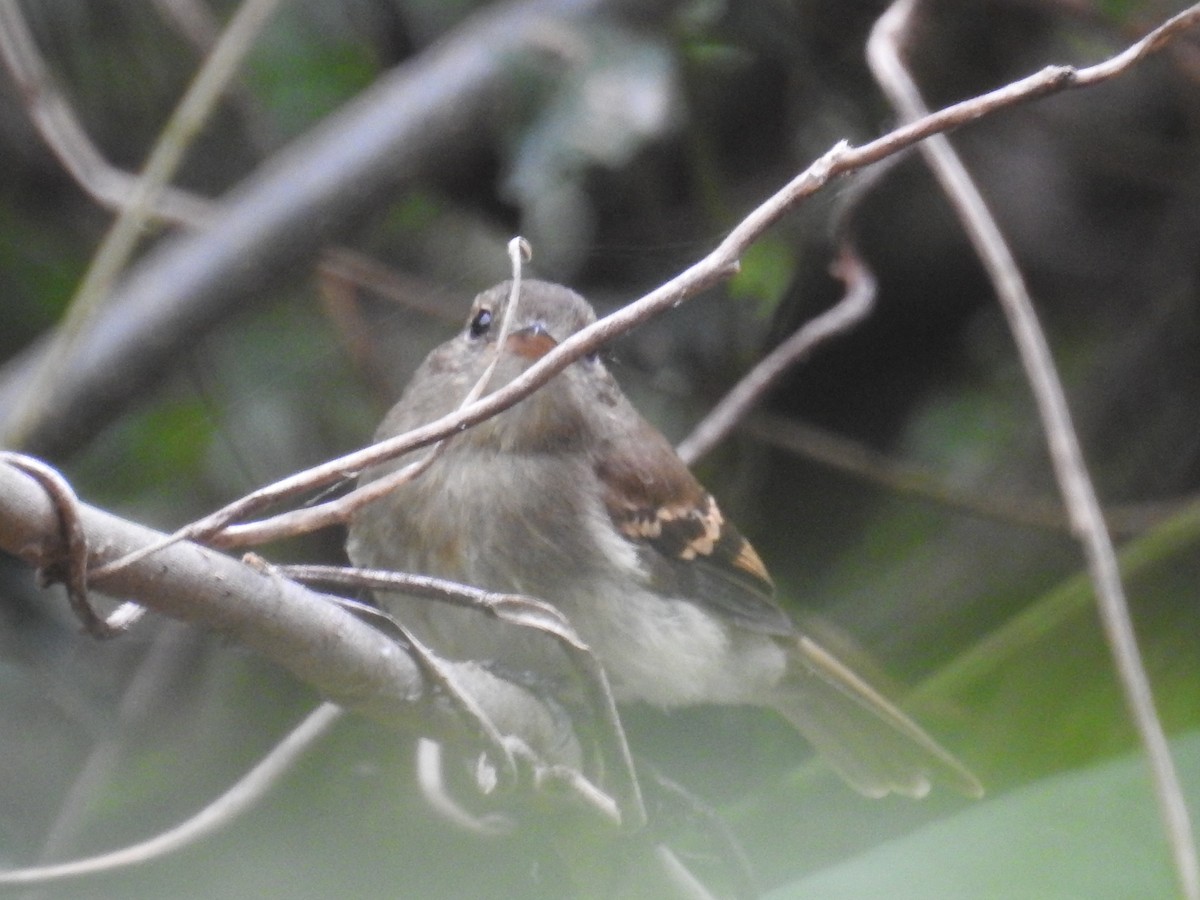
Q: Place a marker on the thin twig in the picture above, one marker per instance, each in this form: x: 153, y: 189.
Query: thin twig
x: 200, y: 26
x: 335, y: 512
x: 60, y: 128
x: 484, y: 729
x: 386, y: 138
x: 349, y: 661
x: 338, y: 511
x: 898, y: 476
x: 682, y: 882
x: 519, y: 253
x: 431, y: 770
x: 122, y: 238
x: 1079, y: 496
x: 713, y: 268
x: 625, y: 807
x: 240, y: 798
x: 342, y: 657
x: 854, y: 306
x: 527, y: 612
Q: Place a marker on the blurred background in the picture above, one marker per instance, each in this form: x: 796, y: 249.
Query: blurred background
x: 368, y: 165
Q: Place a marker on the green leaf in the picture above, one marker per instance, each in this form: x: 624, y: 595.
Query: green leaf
x: 766, y: 271
x: 1090, y: 833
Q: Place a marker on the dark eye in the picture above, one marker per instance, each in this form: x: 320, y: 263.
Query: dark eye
x: 480, y: 323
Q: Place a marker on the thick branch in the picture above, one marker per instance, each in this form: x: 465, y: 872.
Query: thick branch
x: 345, y: 659
x: 268, y: 228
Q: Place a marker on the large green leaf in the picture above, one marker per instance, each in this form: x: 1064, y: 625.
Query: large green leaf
x: 1089, y: 833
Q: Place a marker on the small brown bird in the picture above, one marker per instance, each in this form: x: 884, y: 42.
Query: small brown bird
x: 572, y: 497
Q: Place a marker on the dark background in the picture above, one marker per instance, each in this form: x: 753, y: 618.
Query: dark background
x: 623, y: 142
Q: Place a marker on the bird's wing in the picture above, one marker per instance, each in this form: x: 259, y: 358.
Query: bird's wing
x: 689, y: 548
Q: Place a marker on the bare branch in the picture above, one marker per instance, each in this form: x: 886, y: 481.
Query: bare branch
x: 1079, y: 495
x: 713, y: 268
x: 271, y: 226
x: 60, y: 128
x: 384, y: 138
x: 239, y: 798
x: 327, y: 647
x: 854, y: 306
x: 527, y: 612
x: 350, y: 662
x: 864, y: 462
x: 114, y: 189
x: 122, y: 238
x: 70, y: 569
x: 345, y: 659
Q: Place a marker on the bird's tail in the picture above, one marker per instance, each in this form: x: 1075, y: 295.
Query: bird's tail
x: 872, y: 744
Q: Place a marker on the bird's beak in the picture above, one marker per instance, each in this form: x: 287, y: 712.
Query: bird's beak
x: 532, y: 342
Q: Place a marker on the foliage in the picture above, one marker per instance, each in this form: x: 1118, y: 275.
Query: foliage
x: 1091, y: 832
x: 630, y: 148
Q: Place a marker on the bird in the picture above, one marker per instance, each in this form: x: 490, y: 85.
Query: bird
x: 572, y: 497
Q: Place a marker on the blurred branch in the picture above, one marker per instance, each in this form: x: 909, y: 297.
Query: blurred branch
x: 122, y: 238
x: 192, y: 19
x: 240, y: 798
x: 345, y: 659
x: 166, y: 657
x: 59, y: 127
x: 199, y: 25
x: 339, y: 270
x: 868, y: 464
x: 268, y: 228
x: 716, y: 266
x: 391, y: 134
x: 891, y: 31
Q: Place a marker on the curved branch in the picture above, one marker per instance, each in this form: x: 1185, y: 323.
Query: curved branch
x: 126, y: 231
x: 346, y: 660
x: 854, y: 306
x: 269, y: 227
x: 718, y: 265
x: 239, y: 798
x: 1075, y: 484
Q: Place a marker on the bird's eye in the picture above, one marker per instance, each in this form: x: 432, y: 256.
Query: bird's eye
x: 480, y: 323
